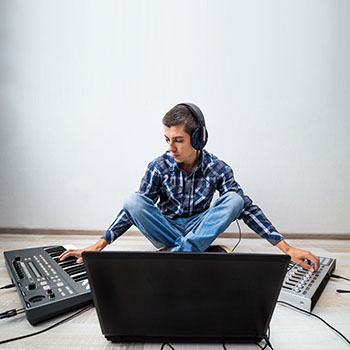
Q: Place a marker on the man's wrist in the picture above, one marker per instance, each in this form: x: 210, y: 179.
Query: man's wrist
x: 100, y: 244
x: 284, y: 246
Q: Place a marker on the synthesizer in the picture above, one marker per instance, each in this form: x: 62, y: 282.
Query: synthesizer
x: 46, y: 286
x: 302, y: 288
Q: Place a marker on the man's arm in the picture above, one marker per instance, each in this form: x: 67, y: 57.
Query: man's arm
x: 98, y: 246
x: 150, y: 184
x: 254, y: 217
x: 120, y: 225
x: 299, y: 255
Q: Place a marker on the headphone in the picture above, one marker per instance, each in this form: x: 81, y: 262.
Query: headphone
x: 199, y: 137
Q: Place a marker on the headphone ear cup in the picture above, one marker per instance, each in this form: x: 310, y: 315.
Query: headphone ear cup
x: 196, y: 139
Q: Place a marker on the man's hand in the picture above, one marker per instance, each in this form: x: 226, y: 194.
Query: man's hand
x: 299, y: 255
x: 99, y: 245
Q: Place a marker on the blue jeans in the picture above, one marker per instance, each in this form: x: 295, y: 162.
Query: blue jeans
x: 192, y: 234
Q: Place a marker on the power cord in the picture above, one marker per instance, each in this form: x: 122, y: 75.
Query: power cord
x: 240, y: 237
x: 48, y: 328
x: 343, y: 278
x: 11, y: 313
x: 337, y: 276
x: 8, y: 286
x: 267, y: 341
x: 170, y: 346
x: 320, y: 318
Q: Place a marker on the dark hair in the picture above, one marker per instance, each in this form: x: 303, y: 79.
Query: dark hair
x: 180, y: 114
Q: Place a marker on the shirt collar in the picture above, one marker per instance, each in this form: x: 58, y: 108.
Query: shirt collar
x: 203, y: 163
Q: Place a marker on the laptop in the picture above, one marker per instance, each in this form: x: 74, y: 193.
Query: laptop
x: 184, y: 297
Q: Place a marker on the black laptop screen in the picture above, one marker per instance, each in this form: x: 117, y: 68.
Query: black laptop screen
x: 185, y: 295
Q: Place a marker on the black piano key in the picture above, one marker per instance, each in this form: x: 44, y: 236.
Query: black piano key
x: 54, y: 249
x: 56, y: 254
x: 75, y: 269
x: 68, y: 263
x: 80, y: 277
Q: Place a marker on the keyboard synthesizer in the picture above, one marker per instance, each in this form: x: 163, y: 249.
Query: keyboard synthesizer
x: 46, y: 286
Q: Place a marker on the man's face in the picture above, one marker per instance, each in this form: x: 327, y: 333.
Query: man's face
x: 179, y: 144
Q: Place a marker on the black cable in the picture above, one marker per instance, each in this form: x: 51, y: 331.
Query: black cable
x: 337, y: 276
x: 267, y: 341
x: 343, y: 278
x: 11, y: 313
x: 240, y: 237
x: 320, y: 318
x: 48, y: 328
x: 8, y: 286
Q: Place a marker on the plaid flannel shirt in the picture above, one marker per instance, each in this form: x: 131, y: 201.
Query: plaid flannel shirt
x: 180, y: 195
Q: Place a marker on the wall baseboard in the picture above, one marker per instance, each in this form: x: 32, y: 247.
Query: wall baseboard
x: 42, y: 231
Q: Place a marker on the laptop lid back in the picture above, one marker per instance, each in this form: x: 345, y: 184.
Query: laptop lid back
x: 160, y: 296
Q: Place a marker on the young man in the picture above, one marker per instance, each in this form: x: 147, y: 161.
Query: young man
x: 183, y: 182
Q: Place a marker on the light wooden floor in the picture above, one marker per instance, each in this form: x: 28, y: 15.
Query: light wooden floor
x: 289, y: 329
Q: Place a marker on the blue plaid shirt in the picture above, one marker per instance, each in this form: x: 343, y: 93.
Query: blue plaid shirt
x: 182, y: 195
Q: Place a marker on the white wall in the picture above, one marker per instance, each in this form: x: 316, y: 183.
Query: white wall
x: 84, y: 85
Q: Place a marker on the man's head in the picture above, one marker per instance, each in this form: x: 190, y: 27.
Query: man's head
x: 180, y: 114
x: 181, y: 129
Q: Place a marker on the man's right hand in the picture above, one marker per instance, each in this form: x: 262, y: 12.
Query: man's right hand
x: 98, y: 246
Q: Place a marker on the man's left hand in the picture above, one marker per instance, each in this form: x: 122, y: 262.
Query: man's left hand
x: 300, y: 255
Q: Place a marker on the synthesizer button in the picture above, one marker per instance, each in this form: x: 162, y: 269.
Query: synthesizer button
x: 326, y: 261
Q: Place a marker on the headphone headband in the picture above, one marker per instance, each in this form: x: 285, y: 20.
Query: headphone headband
x: 196, y: 112
x: 199, y: 137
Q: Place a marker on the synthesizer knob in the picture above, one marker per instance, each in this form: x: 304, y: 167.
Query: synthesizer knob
x: 31, y: 286
x: 52, y: 295
x: 17, y: 258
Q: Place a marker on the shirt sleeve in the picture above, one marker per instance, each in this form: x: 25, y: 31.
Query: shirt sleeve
x: 251, y: 214
x: 150, y: 184
x: 119, y: 226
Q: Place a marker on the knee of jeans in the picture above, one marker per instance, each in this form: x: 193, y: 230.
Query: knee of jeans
x: 237, y: 201
x: 133, y: 203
